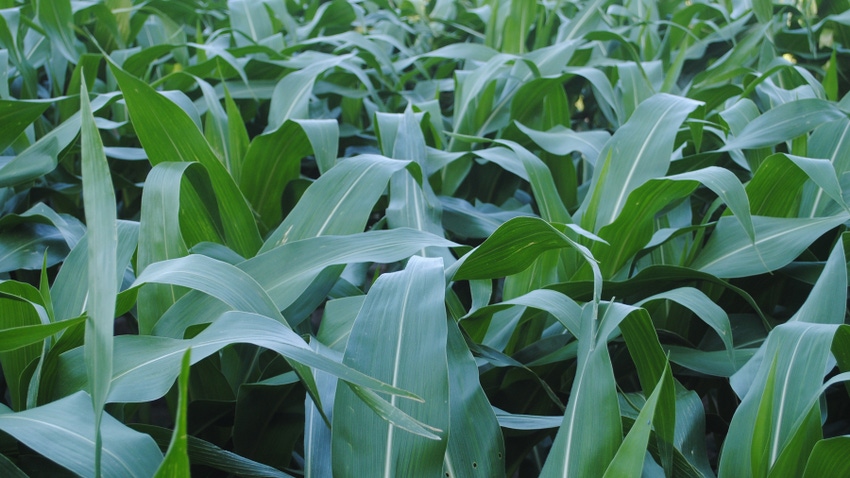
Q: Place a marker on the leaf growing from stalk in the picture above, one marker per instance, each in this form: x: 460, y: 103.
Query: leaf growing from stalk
x: 591, y: 430
x: 168, y: 134
x: 639, y: 151
x: 64, y: 431
x: 629, y: 458
x: 100, y: 211
x: 176, y: 462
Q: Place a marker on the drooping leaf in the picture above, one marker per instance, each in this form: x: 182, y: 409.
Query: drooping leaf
x: 729, y: 253
x: 784, y: 122
x: 305, y: 261
x: 64, y: 430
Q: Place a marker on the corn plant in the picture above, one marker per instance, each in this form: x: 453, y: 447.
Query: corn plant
x: 424, y: 238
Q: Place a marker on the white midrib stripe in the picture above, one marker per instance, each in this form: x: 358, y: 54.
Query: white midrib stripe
x: 342, y: 199
x: 625, y: 189
x: 571, y: 430
x: 388, y: 457
x: 775, y: 446
x: 108, y: 451
x: 819, y: 194
x: 581, y: 21
x: 250, y: 21
x: 762, y: 240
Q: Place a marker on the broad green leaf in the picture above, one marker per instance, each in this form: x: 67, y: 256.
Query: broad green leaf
x: 155, y: 361
x: 806, y: 435
x: 22, y: 310
x: 252, y: 21
x: 64, y: 430
x: 86, y: 62
x: 393, y: 415
x: 473, y: 92
x: 237, y: 135
x: 562, y: 141
x: 176, y: 461
x: 273, y: 159
x: 167, y: 134
x: 542, y: 185
x: 99, y: 203
x: 204, y: 453
x: 412, y: 205
x: 317, y: 433
x: 633, y: 228
x: 820, y: 307
x: 775, y: 188
x: 585, y: 20
x: 161, y: 237
x: 651, y: 365
x: 827, y: 458
x: 800, y: 351
x: 334, y: 205
x: 763, y: 426
x: 25, y: 247
x: 56, y: 18
x: 704, y: 308
x: 455, y: 51
x: 652, y: 280
x: 42, y: 156
x: 337, y: 320
x: 220, y: 280
x: 385, y: 342
x: 829, y: 141
x: 564, y: 309
x: 305, y: 260
x: 784, y: 122
x: 635, y: 83
x: 513, y: 248
x: 70, y: 288
x: 338, y: 202
x: 630, y: 456
x: 639, y: 151
x: 541, y: 103
x: 729, y: 253
x: 16, y: 337
x: 715, y: 362
x: 591, y: 430
x: 71, y: 228
x: 763, y: 10
x: 290, y: 98
x: 470, y: 416
x: 516, y: 421
x: 517, y: 26
x: 16, y: 116
x: 479, y: 221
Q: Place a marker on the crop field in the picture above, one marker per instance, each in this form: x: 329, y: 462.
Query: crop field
x: 424, y: 238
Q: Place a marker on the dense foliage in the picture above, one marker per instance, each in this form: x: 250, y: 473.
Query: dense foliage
x: 424, y: 238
